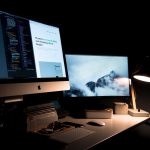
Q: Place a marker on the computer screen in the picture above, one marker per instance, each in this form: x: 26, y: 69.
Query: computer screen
x: 31, y: 57
x: 97, y: 75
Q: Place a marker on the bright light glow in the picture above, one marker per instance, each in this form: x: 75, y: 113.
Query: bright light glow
x: 142, y: 78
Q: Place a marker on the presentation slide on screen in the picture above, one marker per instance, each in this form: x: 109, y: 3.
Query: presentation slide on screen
x: 47, y: 50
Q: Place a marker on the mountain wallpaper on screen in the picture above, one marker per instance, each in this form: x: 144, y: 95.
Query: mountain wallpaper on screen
x: 97, y: 76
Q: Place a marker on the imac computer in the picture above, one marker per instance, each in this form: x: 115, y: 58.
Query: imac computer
x: 31, y: 58
x: 97, y: 75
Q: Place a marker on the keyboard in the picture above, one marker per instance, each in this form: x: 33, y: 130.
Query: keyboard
x: 71, y: 135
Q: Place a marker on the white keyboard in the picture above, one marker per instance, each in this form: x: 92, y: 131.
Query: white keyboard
x: 71, y: 135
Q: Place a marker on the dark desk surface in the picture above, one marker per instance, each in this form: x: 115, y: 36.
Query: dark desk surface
x: 114, y: 126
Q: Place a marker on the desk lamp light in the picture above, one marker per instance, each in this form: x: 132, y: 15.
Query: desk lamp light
x: 142, y: 74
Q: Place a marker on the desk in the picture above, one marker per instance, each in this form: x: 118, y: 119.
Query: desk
x: 114, y: 126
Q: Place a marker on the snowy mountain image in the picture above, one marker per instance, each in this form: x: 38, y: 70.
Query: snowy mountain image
x: 110, y: 85
x: 97, y: 76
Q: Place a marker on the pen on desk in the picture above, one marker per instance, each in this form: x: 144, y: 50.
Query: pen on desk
x: 79, y: 125
x: 76, y: 125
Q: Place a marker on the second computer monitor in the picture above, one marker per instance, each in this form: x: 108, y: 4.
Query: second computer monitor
x: 97, y: 75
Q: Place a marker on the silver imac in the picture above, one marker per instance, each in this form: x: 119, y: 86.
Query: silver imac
x: 31, y: 58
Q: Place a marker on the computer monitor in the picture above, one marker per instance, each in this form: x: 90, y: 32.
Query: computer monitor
x: 31, y: 57
x: 97, y: 76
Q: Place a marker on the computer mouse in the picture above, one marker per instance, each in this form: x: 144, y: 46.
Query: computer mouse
x: 96, y: 123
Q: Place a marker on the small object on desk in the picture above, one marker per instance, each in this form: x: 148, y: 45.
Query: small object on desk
x: 96, y: 123
x: 137, y: 113
x: 99, y: 114
x: 120, y: 108
x: 76, y: 125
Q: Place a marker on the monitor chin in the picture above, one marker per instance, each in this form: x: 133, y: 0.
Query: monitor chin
x: 9, y: 90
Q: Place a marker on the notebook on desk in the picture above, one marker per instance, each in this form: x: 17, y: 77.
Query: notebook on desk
x: 71, y: 135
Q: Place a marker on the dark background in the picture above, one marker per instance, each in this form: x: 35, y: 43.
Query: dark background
x: 105, y: 28
x: 94, y: 27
